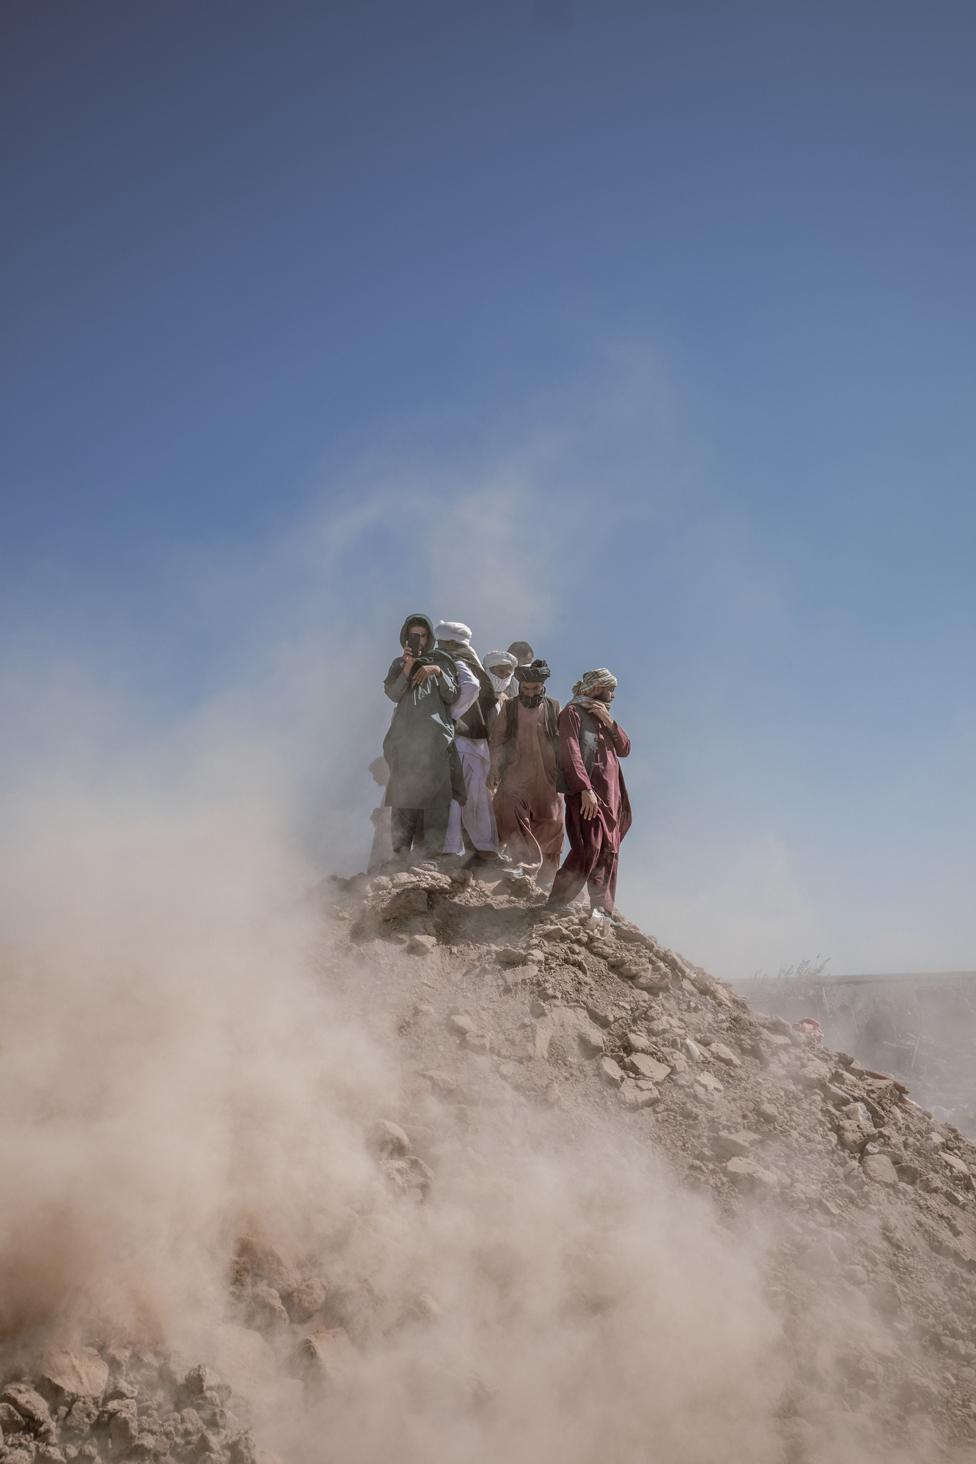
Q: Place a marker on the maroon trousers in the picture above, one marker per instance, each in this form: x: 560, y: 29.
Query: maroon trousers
x: 592, y: 860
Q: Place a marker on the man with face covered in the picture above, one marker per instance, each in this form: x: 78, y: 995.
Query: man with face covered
x: 597, y: 807
x: 419, y: 747
x: 500, y: 666
x: 524, y: 748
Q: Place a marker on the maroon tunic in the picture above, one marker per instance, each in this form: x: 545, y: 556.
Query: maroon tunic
x: 595, y: 842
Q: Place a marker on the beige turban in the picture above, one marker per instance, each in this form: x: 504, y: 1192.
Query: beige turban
x: 593, y: 682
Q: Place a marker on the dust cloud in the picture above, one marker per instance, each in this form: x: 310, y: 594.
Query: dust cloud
x: 176, y: 1073
x: 182, y: 1065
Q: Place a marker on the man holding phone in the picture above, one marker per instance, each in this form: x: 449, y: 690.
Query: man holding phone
x: 419, y: 747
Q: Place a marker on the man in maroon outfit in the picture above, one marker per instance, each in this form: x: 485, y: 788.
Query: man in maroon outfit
x: 597, y: 807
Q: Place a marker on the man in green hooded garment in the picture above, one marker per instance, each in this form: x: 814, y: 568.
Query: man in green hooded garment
x: 419, y: 747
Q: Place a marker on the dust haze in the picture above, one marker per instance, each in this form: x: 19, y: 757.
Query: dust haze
x: 176, y: 1074
x: 183, y: 1065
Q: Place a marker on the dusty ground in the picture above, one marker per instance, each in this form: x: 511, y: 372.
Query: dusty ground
x: 774, y: 1255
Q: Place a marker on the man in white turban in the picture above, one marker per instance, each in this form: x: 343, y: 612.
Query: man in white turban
x: 500, y: 666
x: 474, y: 715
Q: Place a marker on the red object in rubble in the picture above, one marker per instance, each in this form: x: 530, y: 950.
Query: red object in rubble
x: 812, y: 1028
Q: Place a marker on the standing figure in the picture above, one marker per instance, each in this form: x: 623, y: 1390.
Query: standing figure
x: 524, y: 757
x: 381, y: 851
x: 419, y: 747
x: 500, y: 666
x: 474, y: 713
x: 523, y: 653
x: 597, y: 807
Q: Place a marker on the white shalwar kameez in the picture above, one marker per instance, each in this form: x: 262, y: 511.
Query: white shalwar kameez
x: 477, y: 815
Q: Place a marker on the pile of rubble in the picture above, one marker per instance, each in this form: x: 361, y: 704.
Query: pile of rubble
x: 869, y: 1204
x: 922, y: 1029
x: 115, y: 1403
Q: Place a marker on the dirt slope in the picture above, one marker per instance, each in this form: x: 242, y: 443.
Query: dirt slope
x: 627, y: 1217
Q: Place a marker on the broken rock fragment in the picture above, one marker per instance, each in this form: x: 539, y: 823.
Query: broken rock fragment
x: 74, y: 1372
x: 25, y: 1404
x: 611, y: 1072
x: 646, y: 1066
x: 879, y: 1168
x: 747, y: 1174
x: 721, y: 1053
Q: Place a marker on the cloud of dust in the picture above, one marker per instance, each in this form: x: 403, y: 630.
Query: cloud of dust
x: 175, y: 1070
x: 175, y: 1074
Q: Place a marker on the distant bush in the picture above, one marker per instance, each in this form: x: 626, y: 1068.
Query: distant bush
x: 800, y: 972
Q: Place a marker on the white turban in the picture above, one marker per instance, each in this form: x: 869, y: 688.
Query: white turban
x: 453, y: 630
x: 501, y: 659
x: 500, y: 665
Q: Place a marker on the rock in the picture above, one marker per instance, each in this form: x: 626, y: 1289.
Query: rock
x: 11, y: 1422
x: 412, y: 900
x: 265, y: 1308
x: 630, y: 970
x: 769, y: 1112
x: 256, y: 1261
x: 692, y: 1050
x: 121, y: 1417
x: 461, y: 1024
x: 747, y: 1174
x: 388, y: 1139
x: 646, y: 1066
x: 634, y: 1095
x: 879, y: 1168
x: 709, y: 1082
x: 542, y: 1035
x: 513, y: 976
x: 242, y: 1450
x: 81, y: 1415
x: 637, y: 1042
x: 734, y: 1145
x: 721, y: 1053
x: 32, y: 1409
x: 908, y: 1173
x: 478, y: 1042
x: 326, y: 1357
x: 410, y: 1175
x: 591, y: 1041
x: 953, y: 1162
x: 851, y: 1136
x: 77, y: 1372
x: 440, y: 1083
x: 510, y: 956
x: 200, y: 1380
x: 598, y: 1014
x: 421, y: 945
x: 210, y: 1445
x: 611, y: 1072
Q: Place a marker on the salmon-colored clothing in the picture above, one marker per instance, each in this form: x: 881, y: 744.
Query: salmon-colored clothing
x: 528, y: 810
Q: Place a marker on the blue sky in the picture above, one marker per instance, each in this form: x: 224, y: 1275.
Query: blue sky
x: 677, y: 298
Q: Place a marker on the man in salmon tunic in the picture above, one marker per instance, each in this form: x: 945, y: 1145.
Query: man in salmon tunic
x: 524, y: 753
x: 597, y: 807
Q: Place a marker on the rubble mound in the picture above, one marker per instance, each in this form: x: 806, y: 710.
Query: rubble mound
x: 565, y: 1039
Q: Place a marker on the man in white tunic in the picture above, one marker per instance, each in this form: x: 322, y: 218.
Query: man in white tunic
x: 474, y: 715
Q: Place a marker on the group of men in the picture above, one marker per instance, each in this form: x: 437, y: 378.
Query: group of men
x: 479, y: 759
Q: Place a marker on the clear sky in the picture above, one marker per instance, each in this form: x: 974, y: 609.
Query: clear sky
x: 644, y: 331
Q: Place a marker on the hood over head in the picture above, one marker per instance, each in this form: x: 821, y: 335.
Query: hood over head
x: 424, y: 620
